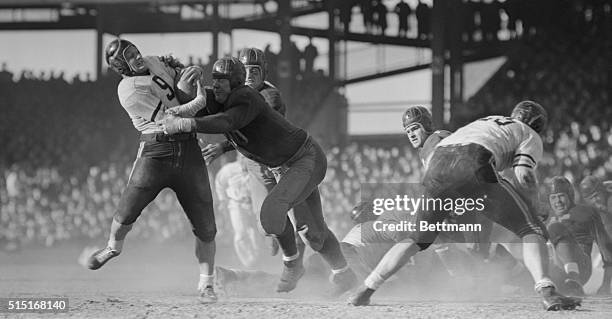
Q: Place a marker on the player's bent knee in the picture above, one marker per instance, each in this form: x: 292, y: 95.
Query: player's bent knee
x: 125, y: 219
x: 207, y: 235
x: 273, y: 217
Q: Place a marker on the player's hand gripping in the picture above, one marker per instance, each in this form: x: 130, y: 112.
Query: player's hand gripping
x: 192, y: 74
x: 176, y: 124
x: 211, y: 151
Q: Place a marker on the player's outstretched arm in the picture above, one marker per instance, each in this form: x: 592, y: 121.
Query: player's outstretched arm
x: 191, y: 76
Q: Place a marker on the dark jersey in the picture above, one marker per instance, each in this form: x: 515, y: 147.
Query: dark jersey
x: 273, y: 97
x: 586, y: 226
x: 253, y: 127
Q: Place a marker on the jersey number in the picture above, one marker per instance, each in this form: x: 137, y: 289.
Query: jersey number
x: 499, y: 121
x: 163, y: 85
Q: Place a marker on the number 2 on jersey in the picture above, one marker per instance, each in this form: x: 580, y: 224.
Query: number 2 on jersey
x: 163, y: 85
x: 499, y: 121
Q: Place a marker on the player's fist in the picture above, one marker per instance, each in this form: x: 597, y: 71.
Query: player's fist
x: 525, y: 176
x: 186, y: 86
x: 174, y: 125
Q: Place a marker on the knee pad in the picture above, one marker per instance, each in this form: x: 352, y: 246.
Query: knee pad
x: 273, y: 217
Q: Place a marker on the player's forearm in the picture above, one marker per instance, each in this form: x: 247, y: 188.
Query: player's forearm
x: 190, y: 108
x: 214, y: 124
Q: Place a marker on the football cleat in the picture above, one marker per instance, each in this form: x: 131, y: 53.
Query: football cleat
x: 208, y: 295
x: 100, y: 257
x: 554, y: 301
x: 361, y: 297
x: 290, y: 277
x: 343, y: 282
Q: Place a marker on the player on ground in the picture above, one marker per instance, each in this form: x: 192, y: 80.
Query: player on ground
x: 599, y: 195
x: 465, y: 165
x: 262, y: 134
x: 147, y: 94
x: 573, y: 229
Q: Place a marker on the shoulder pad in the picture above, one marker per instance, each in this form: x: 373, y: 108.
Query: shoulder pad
x: 442, y: 133
x: 133, y: 84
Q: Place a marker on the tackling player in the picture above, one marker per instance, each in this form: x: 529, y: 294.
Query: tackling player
x: 147, y: 93
x: 465, y: 164
x: 263, y: 135
x: 363, y: 246
x: 262, y: 179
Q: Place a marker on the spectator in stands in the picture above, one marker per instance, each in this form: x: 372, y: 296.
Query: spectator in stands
x: 310, y: 54
x: 381, y: 16
x: 423, y: 15
x: 403, y: 11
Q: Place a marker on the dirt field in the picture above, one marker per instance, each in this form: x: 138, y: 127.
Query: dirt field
x: 159, y: 281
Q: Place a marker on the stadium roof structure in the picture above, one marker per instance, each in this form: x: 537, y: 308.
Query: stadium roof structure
x: 179, y: 16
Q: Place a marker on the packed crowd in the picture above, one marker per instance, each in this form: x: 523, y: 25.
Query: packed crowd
x: 482, y: 19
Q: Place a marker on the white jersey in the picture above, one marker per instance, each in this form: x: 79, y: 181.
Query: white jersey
x: 147, y: 97
x: 231, y: 183
x: 512, y: 142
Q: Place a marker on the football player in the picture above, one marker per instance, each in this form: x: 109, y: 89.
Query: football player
x: 418, y: 125
x: 231, y: 186
x: 363, y: 246
x: 262, y: 179
x: 263, y: 135
x: 465, y: 164
x: 573, y: 229
x: 598, y: 194
x: 147, y: 93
